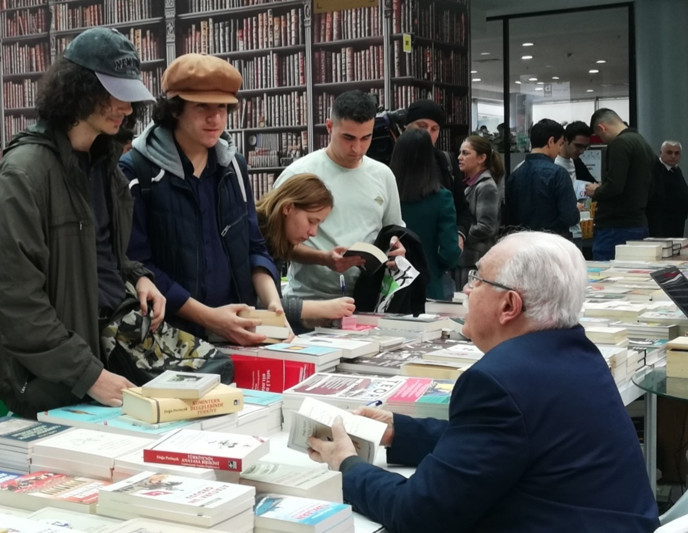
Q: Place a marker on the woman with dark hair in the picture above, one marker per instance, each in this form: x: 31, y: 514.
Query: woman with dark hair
x: 426, y: 207
x: 288, y: 216
x: 483, y: 171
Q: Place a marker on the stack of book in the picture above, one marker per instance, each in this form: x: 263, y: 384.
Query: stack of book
x: 150, y: 525
x: 422, y: 398
x: 351, y: 346
x: 277, y: 367
x: 183, y: 500
x: 262, y: 413
x: 24, y: 524
x: 231, y: 452
x: 35, y: 490
x: 308, y: 482
x: 72, y: 520
x: 445, y: 363
x: 16, y: 436
x: 278, y: 513
x: 83, y: 452
x: 341, y: 390
x: 640, y: 251
x: 133, y: 463
x: 607, y: 335
x: 177, y: 396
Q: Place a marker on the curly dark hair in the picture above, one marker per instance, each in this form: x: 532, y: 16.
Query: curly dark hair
x: 68, y: 93
x: 167, y: 110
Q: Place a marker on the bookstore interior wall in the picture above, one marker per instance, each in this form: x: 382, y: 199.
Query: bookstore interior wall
x: 294, y: 61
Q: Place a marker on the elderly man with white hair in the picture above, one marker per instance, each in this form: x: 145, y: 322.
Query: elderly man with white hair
x: 537, y: 440
x: 668, y: 207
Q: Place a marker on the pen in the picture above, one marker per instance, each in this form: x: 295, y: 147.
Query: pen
x: 399, y: 237
x: 342, y: 283
x: 374, y: 403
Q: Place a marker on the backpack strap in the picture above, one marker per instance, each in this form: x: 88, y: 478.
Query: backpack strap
x: 239, y: 177
x: 146, y: 172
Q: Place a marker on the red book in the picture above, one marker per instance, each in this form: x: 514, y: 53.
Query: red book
x: 270, y: 375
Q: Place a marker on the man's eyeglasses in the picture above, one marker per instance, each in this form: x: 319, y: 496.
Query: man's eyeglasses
x: 473, y: 278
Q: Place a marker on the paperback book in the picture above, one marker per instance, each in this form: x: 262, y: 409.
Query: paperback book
x: 184, y: 385
x: 272, y: 325
x: 374, y: 257
x: 278, y: 512
x: 73, y: 520
x: 307, y: 482
x: 315, y: 418
x: 221, y: 399
x: 208, y: 449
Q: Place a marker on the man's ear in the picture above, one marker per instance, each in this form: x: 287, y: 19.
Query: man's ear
x: 328, y: 125
x: 512, y: 307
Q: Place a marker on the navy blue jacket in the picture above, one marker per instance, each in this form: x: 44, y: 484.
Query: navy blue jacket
x: 539, y: 196
x: 538, y: 440
x: 167, y: 233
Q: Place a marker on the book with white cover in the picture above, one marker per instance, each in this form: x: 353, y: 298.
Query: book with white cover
x: 150, y: 525
x: 133, y: 463
x: 278, y: 512
x: 422, y: 322
x: 315, y: 418
x: 89, y: 446
x: 74, y: 520
x: 19, y: 433
x: 177, y: 495
x: 322, y: 356
x: 22, y: 524
x: 374, y: 257
x: 185, y: 385
x: 350, y: 346
x: 307, y: 482
x: 209, y: 449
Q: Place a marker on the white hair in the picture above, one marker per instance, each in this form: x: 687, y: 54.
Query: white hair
x: 550, y: 274
x: 671, y: 143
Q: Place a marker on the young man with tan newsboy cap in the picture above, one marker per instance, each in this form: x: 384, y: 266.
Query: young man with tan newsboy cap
x: 195, y: 221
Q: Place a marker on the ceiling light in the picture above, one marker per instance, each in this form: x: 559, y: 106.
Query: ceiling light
x: 527, y: 44
x: 476, y: 79
x: 517, y: 82
x: 539, y: 89
x: 555, y: 77
x: 541, y: 83
x: 526, y: 57
x: 601, y: 61
x: 532, y: 79
x: 593, y: 71
x: 590, y: 91
x: 484, y: 53
x: 474, y: 71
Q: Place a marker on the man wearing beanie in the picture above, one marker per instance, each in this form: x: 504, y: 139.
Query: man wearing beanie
x: 195, y: 222
x: 65, y: 217
x: 428, y: 115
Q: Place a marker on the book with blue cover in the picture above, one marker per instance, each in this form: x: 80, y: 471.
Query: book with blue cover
x: 302, y: 352
x: 278, y: 512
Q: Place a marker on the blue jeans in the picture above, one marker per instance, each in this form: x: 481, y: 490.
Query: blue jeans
x: 603, y: 247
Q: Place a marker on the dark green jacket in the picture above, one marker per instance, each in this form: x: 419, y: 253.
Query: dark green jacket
x: 49, y: 336
x: 623, y: 194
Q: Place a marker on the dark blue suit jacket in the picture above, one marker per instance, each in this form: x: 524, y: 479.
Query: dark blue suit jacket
x: 538, y: 440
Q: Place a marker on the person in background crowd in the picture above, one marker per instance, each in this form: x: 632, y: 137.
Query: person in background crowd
x: 623, y: 194
x: 426, y: 207
x: 365, y: 200
x: 668, y: 208
x: 195, y: 222
x: 538, y: 438
x: 65, y: 218
x: 289, y: 216
x: 483, y: 171
x: 539, y: 194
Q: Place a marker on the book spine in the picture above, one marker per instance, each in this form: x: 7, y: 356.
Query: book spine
x: 192, y: 459
x: 171, y: 409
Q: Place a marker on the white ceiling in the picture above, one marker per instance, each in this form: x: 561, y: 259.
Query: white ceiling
x: 566, y: 45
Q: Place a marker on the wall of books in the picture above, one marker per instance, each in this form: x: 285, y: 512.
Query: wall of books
x: 294, y: 61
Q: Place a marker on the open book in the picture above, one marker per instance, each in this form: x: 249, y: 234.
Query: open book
x: 315, y: 418
x: 374, y: 257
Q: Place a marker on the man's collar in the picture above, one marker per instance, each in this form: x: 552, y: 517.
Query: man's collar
x: 665, y: 165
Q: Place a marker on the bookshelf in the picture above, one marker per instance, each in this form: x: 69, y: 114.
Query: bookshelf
x: 294, y: 61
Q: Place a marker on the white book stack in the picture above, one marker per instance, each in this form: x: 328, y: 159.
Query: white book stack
x: 607, y: 335
x: 74, y: 520
x: 150, y: 525
x: 307, y: 482
x: 133, y: 463
x: 279, y: 513
x: 341, y: 390
x: 325, y: 358
x: 616, y: 309
x: 24, y: 524
x: 666, y: 317
x: 666, y: 249
x: 423, y: 322
x: 16, y: 436
x: 261, y: 415
x: 83, y: 452
x: 183, y: 500
x: 616, y: 359
x: 232, y: 452
x: 350, y: 346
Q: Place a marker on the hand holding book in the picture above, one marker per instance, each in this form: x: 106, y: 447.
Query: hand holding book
x: 381, y: 415
x: 334, y: 451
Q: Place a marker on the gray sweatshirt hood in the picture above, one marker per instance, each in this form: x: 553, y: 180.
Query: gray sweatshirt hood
x: 158, y: 146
